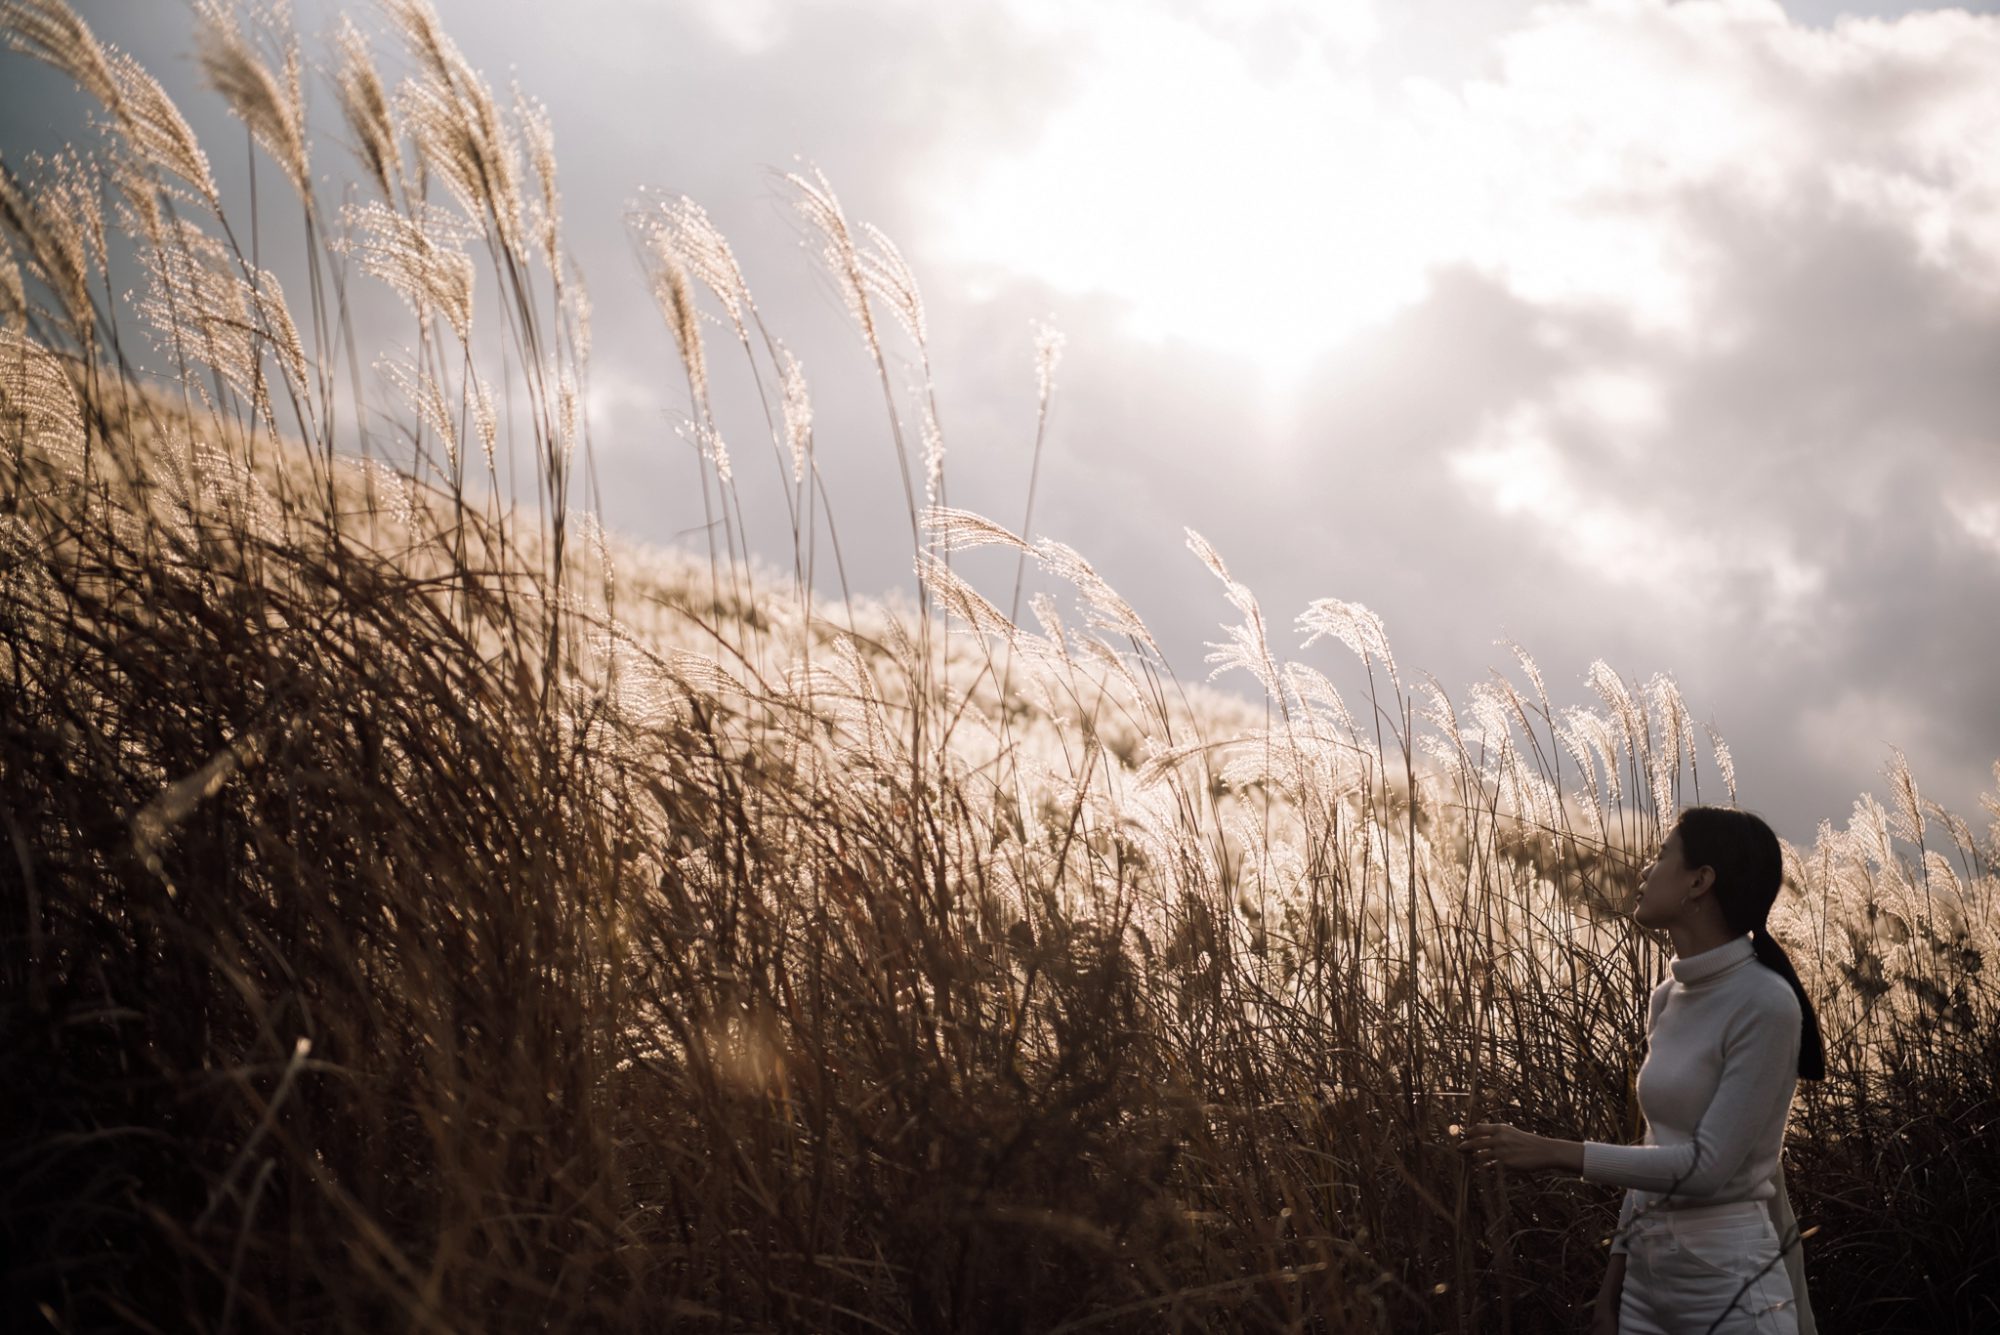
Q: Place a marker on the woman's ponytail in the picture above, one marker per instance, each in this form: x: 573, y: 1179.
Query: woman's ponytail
x: 1749, y: 869
x: 1812, y: 1049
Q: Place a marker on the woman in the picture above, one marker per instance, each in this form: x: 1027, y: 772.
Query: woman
x: 1706, y: 1240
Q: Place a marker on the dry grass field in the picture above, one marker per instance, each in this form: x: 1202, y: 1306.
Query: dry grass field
x: 419, y: 913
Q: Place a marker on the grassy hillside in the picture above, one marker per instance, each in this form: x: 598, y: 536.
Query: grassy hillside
x: 426, y: 914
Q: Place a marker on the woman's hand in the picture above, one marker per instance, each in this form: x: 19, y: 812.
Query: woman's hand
x: 1511, y: 1147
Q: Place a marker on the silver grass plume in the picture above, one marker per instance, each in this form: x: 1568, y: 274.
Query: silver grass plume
x: 425, y: 397
x: 70, y: 190
x: 1605, y: 738
x: 1725, y: 764
x: 952, y: 530
x: 798, y: 410
x: 960, y: 599
x: 140, y: 214
x: 402, y: 497
x: 13, y: 293
x: 459, y: 133
x: 1353, y: 625
x: 1115, y: 662
x: 569, y: 413
x: 1663, y: 761
x: 576, y: 297
x: 1049, y: 344
x: 271, y: 104
x: 365, y: 106
x: 1312, y: 688
x: 419, y: 256
x: 51, y: 32
x: 684, y: 227
x: 1907, y: 815
x: 1625, y: 714
x: 1050, y: 620
x: 539, y: 132
x: 155, y: 128
x: 484, y: 424
x: 1108, y: 610
x: 196, y: 288
x: 1576, y: 741
x: 820, y: 207
x: 933, y: 433
x: 1248, y: 646
x: 54, y: 245
x: 39, y: 410
x: 675, y: 296
x: 886, y: 274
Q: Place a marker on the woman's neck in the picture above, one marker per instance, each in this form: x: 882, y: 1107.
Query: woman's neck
x: 1693, y: 938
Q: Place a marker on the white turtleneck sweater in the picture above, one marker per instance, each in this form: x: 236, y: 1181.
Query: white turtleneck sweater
x: 1721, y: 1065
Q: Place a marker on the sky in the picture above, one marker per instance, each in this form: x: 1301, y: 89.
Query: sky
x: 1657, y: 332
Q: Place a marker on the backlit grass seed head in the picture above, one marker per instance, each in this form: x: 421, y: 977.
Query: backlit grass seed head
x: 576, y: 302
x: 1108, y: 610
x: 1353, y: 625
x: 1050, y: 620
x: 13, y: 294
x: 157, y: 131
x: 70, y: 188
x: 458, y: 131
x: 1049, y: 343
x: 364, y: 105
x: 484, y: 424
x: 952, y: 530
x: 1907, y: 814
x: 933, y: 445
x: 152, y: 126
x: 199, y: 305
x: 798, y: 411
x: 1316, y: 692
x: 887, y: 275
x: 271, y: 104
x: 569, y: 417
x: 961, y: 599
x: 675, y: 296
x: 1725, y: 763
x: 385, y: 483
x: 424, y: 397
x: 139, y: 211
x: 820, y: 207
x: 419, y: 256
x: 683, y: 227
x: 51, y: 32
x: 1625, y: 714
x: 39, y: 410
x: 1247, y: 648
x: 539, y: 133
x: 54, y: 245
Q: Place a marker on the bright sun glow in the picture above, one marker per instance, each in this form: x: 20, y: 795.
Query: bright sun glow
x: 1265, y: 212
x: 1242, y: 177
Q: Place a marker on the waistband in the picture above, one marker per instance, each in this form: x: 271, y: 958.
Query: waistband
x: 1698, y: 1214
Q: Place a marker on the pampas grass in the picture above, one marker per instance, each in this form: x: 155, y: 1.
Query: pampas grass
x: 427, y: 913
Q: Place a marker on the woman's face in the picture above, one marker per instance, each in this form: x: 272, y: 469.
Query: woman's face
x: 1665, y: 886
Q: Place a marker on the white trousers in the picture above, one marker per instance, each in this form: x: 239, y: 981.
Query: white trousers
x: 1713, y: 1268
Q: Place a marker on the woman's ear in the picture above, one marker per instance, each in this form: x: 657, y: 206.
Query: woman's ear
x: 1704, y: 881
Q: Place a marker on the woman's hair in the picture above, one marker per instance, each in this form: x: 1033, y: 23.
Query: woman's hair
x: 1749, y: 869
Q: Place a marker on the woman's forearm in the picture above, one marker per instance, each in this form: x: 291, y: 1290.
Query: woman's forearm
x: 1497, y: 1142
